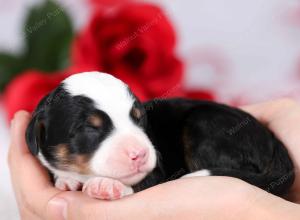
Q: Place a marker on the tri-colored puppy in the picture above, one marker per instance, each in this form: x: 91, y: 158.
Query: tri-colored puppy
x: 93, y: 134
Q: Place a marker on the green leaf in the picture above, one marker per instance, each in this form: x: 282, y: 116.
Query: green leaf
x: 9, y: 67
x: 48, y: 35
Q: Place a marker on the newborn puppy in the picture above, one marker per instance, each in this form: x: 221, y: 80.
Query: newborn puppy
x: 93, y: 134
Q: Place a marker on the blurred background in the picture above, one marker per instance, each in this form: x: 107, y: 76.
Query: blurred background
x: 231, y: 51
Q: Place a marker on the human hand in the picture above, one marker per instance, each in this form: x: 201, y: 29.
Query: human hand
x: 210, y: 198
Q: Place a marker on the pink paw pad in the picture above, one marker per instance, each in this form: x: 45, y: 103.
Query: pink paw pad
x: 67, y: 184
x: 105, y: 188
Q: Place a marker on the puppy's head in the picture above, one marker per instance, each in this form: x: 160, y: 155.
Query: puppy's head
x: 92, y: 125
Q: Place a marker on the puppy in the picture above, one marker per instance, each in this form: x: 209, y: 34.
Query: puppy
x: 93, y: 134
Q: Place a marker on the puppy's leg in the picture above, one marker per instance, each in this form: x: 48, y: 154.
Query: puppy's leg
x: 67, y: 184
x: 106, y: 188
x: 198, y: 173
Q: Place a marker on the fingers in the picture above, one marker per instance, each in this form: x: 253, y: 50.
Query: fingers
x: 78, y: 206
x: 18, y: 127
x: 30, y: 180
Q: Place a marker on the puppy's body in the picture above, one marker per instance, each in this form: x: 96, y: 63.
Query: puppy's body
x: 93, y: 131
x: 217, y: 140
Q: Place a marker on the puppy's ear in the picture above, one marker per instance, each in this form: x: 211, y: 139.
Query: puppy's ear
x: 35, y: 134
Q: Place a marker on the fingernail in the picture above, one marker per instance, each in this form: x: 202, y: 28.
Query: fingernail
x: 58, y: 208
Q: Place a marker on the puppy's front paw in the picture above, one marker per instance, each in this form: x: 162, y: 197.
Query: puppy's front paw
x: 106, y: 188
x: 67, y: 184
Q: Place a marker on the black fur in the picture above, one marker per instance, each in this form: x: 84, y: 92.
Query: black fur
x: 64, y: 120
x: 195, y: 135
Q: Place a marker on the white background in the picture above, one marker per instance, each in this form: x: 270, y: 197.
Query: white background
x: 244, y: 50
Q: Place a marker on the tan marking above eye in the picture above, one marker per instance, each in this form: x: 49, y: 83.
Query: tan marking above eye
x: 95, y: 120
x: 136, y: 113
x: 81, y: 164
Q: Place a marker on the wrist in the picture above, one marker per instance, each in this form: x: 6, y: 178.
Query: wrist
x: 268, y: 206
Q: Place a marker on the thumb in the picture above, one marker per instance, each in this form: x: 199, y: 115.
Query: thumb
x: 78, y: 206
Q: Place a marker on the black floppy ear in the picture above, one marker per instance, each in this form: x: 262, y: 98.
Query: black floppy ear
x: 35, y: 134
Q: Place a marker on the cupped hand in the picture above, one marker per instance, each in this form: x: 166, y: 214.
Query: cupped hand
x: 193, y: 198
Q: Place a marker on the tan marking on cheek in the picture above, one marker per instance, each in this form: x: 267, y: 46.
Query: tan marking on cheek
x: 95, y: 120
x: 81, y: 164
x: 62, y: 156
x: 72, y: 162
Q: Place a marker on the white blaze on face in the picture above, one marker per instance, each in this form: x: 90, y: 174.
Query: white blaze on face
x: 113, y: 158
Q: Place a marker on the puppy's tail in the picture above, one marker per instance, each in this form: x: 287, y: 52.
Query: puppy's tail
x: 276, y: 183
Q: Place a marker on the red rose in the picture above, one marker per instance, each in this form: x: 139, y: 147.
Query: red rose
x: 200, y: 94
x: 136, y: 43
x: 27, y: 89
x: 105, y: 3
